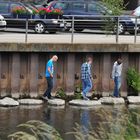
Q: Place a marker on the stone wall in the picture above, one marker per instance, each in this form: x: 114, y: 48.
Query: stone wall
x: 22, y: 68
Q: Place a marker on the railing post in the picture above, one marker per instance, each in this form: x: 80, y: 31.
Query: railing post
x: 72, y: 34
x: 117, y: 32
x: 136, y: 26
x: 26, y: 34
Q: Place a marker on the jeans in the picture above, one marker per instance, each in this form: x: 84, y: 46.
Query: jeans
x: 87, y: 85
x: 117, y: 81
x: 50, y: 87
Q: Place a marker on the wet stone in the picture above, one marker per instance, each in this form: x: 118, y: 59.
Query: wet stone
x: 85, y: 103
x: 134, y: 99
x: 8, y: 102
x: 56, y: 102
x: 30, y: 101
x: 112, y: 101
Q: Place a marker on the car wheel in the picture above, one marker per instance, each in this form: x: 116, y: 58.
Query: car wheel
x: 78, y: 30
x: 121, y: 29
x: 39, y: 27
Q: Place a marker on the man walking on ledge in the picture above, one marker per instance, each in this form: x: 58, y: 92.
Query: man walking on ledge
x: 116, y: 76
x: 86, y: 77
x: 49, y: 77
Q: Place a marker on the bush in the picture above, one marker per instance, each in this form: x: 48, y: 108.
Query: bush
x: 116, y: 6
x: 61, y: 93
x: 133, y: 80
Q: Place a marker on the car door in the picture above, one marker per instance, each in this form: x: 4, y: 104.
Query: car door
x: 4, y: 9
x: 96, y: 13
x: 79, y: 10
x: 6, y: 12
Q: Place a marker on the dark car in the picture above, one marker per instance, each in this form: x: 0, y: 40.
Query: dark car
x: 37, y: 24
x: 90, y: 15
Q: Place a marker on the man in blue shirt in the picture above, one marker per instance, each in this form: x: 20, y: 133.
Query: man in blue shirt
x: 49, y: 77
x: 86, y: 77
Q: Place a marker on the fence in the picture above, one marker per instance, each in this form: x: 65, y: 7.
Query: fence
x: 118, y: 24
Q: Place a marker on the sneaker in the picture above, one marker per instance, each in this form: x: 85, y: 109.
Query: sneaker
x: 45, y: 98
x: 51, y: 98
x: 86, y: 98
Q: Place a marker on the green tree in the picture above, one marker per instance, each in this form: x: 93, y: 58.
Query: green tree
x: 115, y: 6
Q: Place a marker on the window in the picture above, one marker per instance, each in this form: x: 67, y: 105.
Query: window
x: 4, y: 7
x: 62, y: 6
x: 79, y: 6
x: 94, y: 8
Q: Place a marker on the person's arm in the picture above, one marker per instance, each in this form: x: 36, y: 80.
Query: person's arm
x: 89, y: 72
x: 113, y: 71
x: 49, y: 70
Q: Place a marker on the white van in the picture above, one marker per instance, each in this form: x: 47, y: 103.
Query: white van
x: 2, y: 23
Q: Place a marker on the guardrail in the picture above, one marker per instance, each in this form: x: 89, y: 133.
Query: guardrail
x: 81, y: 21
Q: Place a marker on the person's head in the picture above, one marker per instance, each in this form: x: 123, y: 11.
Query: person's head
x: 55, y: 58
x: 89, y: 60
x: 119, y: 61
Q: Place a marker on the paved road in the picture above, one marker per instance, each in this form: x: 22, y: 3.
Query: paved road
x: 84, y: 37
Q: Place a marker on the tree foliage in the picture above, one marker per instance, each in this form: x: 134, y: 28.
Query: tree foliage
x: 116, y: 6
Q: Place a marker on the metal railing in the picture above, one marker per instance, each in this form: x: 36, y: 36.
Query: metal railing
x: 81, y: 21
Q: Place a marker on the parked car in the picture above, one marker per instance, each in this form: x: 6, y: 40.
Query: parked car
x: 37, y: 24
x: 2, y: 23
x: 91, y: 12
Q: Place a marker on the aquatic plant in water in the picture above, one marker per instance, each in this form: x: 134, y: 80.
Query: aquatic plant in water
x: 35, y: 130
x: 118, y: 127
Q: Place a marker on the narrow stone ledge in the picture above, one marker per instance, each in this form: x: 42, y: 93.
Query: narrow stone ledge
x: 85, y: 103
x: 8, y: 102
x: 133, y: 99
x: 112, y: 101
x: 30, y: 102
x: 56, y: 102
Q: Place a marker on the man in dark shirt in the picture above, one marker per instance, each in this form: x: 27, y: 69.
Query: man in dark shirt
x: 86, y: 77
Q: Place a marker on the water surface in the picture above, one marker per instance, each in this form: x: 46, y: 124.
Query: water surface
x: 61, y: 118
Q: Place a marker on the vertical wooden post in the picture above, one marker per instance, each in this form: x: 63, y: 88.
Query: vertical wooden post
x: 15, y: 75
x: 106, y: 72
x: 0, y: 74
x: 34, y: 75
x: 125, y: 58
x: 70, y: 76
x: 139, y: 62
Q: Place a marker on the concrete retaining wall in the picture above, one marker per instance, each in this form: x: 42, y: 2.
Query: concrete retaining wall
x: 22, y: 67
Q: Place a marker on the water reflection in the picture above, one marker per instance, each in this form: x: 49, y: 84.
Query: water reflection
x: 62, y: 118
x: 85, y: 121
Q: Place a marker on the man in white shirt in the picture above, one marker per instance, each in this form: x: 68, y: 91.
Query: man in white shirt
x: 116, y: 76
